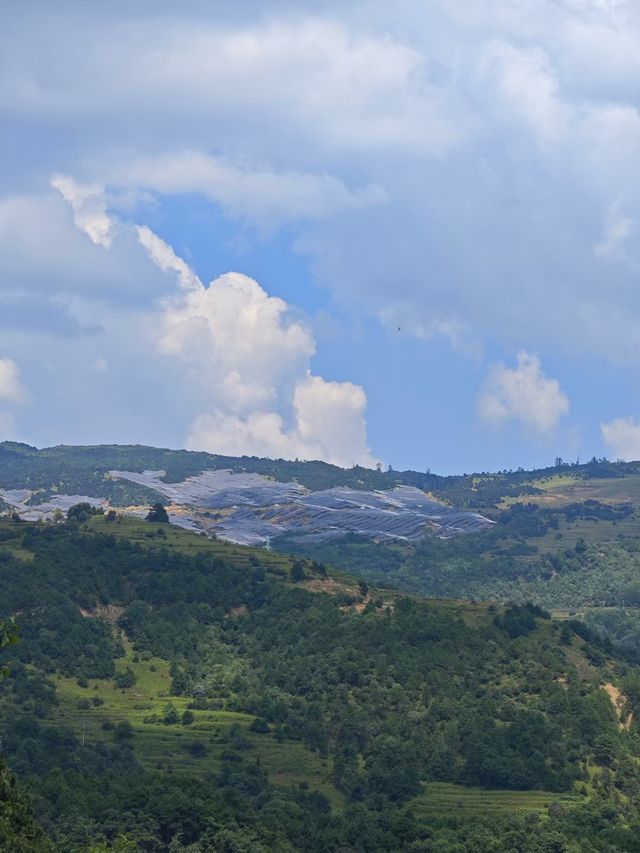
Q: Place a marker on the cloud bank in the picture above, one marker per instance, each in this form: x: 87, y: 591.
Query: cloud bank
x: 462, y: 172
x: 482, y: 163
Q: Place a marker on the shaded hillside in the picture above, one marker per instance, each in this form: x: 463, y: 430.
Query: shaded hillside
x: 183, y: 691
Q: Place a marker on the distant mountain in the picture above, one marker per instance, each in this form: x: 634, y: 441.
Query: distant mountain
x: 244, y: 500
x: 252, y: 500
x: 85, y: 470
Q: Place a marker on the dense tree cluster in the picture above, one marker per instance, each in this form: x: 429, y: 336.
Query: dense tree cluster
x: 157, y: 513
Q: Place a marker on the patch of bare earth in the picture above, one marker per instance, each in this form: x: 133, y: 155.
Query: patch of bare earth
x: 236, y: 612
x: 107, y: 612
x: 328, y: 585
x: 619, y: 702
x: 334, y: 587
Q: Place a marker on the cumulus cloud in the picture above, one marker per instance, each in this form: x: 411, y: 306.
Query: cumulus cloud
x: 242, y: 342
x: 330, y: 415
x: 89, y: 208
x: 523, y: 394
x: 249, y: 359
x: 328, y: 424
x: 622, y: 438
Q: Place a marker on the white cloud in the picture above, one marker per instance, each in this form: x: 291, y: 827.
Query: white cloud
x: 242, y: 344
x: 300, y: 78
x: 163, y: 256
x: 249, y: 360
x: 44, y: 256
x: 617, y: 229
x: 11, y: 389
x: 246, y: 357
x: 89, y: 208
x: 329, y: 424
x: 331, y: 415
x: 259, y: 434
x: 523, y: 394
x: 12, y: 393
x: 525, y: 82
x: 266, y: 196
x: 622, y: 438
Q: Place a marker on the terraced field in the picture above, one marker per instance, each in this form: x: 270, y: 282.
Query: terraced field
x: 442, y: 798
x: 94, y: 711
x: 198, y: 747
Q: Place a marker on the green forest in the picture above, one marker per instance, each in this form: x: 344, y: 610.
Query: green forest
x: 169, y: 692
x: 166, y: 691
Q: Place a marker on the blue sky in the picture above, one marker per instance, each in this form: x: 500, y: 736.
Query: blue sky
x: 366, y: 232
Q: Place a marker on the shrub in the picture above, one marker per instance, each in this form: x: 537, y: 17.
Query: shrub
x: 170, y: 715
x: 124, y: 730
x: 125, y: 679
x: 259, y: 725
x: 158, y: 514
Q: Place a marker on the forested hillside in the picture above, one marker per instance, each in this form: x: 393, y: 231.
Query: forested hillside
x: 85, y: 471
x: 170, y: 692
x: 573, y: 547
